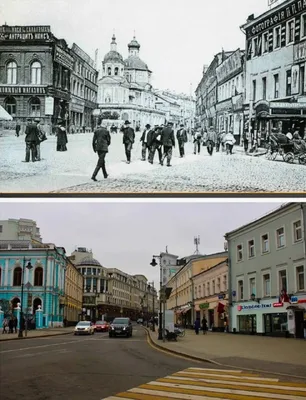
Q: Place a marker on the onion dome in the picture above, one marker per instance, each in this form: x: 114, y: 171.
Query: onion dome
x: 113, y: 56
x: 134, y: 44
x: 134, y: 62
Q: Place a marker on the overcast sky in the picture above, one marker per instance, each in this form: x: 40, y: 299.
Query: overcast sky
x: 126, y: 235
x: 177, y: 37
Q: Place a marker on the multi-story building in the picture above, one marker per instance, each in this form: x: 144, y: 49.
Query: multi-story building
x: 35, y: 70
x: 275, y: 69
x: 183, y: 295
x: 169, y: 266
x: 73, y: 293
x: 84, y: 91
x: 43, y: 278
x: 267, y: 264
x: 230, y: 78
x: 19, y: 229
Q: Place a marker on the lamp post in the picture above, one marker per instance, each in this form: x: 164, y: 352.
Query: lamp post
x: 29, y: 266
x: 151, y: 285
x: 28, y: 286
x: 160, y: 323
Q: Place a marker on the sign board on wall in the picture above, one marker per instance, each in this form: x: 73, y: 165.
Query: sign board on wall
x: 295, y: 79
x: 25, y: 33
x: 78, y: 51
x: 49, y: 105
x: 63, y: 58
x: 229, y: 66
x: 4, y: 89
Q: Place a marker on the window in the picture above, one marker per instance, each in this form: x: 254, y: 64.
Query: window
x: 1, y: 228
x: 300, y: 278
x: 276, y: 86
x: 34, y: 105
x: 208, y: 289
x: 251, y: 248
x: 252, y: 286
x: 280, y: 238
x: 200, y: 294
x: 303, y: 26
x: 116, y: 71
x: 109, y: 71
x: 218, y: 285
x: 239, y: 252
x: 266, y: 285
x: 95, y: 283
x: 275, y: 323
x: 302, y: 79
x: 213, y: 287
x: 290, y: 31
x: 88, y: 284
x: 36, y: 73
x: 94, y: 271
x: 297, y: 231
x: 17, y: 276
x: 10, y: 105
x: 225, y: 283
x: 288, y: 83
x: 277, y: 37
x: 282, y: 277
x: 254, y: 90
x: 265, y: 42
x: 38, y: 276
x: 265, y: 243
x: 240, y: 290
x: 11, y: 73
x: 264, y: 88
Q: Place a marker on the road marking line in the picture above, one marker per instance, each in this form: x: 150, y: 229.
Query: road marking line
x: 159, y: 395
x: 221, y: 376
x: 43, y: 346
x: 42, y: 352
x: 213, y: 369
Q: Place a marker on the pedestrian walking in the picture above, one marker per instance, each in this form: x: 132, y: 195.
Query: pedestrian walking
x: 11, y: 325
x: 168, y: 142
x: 17, y: 128
x: 155, y: 143
x: 128, y: 140
x: 100, y: 143
x: 62, y: 139
x: 41, y: 138
x: 204, y: 325
x: 229, y: 141
x: 197, y: 326
x: 218, y: 144
x: 211, y: 140
x: 181, y: 137
x: 197, y: 141
x: 31, y: 139
x: 223, y: 135
x: 144, y: 141
x: 245, y: 139
x: 4, y: 326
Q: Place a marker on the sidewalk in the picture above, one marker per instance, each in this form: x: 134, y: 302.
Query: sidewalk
x: 37, y: 333
x: 269, y: 354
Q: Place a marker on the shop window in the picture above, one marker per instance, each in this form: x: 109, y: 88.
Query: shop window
x: 254, y: 90
x: 265, y: 42
x: 247, y: 323
x: 280, y: 238
x: 303, y: 26
x: 34, y: 107
x: 300, y: 278
x: 17, y: 276
x: 11, y: 73
x: 288, y: 83
x: 276, y: 86
x: 38, y: 276
x: 264, y: 88
x: 36, y: 73
x: 290, y: 32
x: 239, y: 252
x: 10, y: 105
x: 282, y: 279
x: 277, y: 38
x: 240, y: 290
x: 252, y: 286
x: 297, y: 231
x: 251, y: 248
x: 275, y: 323
x: 266, y: 285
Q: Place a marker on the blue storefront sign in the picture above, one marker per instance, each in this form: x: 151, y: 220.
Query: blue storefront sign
x: 294, y: 299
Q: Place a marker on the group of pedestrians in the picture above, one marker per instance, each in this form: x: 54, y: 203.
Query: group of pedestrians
x: 9, y: 325
x: 213, y: 140
x: 198, y: 324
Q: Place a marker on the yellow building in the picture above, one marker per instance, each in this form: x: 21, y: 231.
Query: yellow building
x: 182, y: 296
x: 73, y: 293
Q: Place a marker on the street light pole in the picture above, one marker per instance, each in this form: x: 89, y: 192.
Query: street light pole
x: 160, y: 323
x: 151, y: 285
x: 29, y: 266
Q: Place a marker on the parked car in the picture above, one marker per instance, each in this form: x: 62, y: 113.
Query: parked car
x: 84, y: 328
x: 101, y: 326
x: 121, y: 327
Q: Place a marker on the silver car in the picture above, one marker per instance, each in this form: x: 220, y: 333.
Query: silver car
x: 84, y: 328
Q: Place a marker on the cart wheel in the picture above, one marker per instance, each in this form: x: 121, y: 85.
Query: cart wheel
x: 302, y: 159
x: 289, y: 158
x: 274, y: 155
x: 269, y: 153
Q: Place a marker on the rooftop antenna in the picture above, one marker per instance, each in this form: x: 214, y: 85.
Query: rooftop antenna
x: 197, y: 243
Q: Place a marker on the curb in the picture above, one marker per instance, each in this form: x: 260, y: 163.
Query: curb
x: 36, y: 337
x: 170, y: 351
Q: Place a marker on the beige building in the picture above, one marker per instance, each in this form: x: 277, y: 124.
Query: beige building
x: 19, y: 229
x: 182, y: 296
x: 211, y: 295
x: 73, y: 293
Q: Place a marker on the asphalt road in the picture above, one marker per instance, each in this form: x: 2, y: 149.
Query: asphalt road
x: 78, y: 368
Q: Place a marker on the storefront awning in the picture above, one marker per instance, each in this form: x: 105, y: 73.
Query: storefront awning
x: 185, y: 310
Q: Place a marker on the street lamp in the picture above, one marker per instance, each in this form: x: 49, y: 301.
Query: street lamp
x: 154, y: 264
x: 28, y: 266
x: 151, y: 285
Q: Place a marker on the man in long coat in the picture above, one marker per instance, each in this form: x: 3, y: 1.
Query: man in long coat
x: 155, y: 143
x: 181, y: 136
x: 144, y: 140
x: 128, y: 140
x: 168, y: 142
x: 100, y: 143
x: 211, y: 140
x: 31, y: 139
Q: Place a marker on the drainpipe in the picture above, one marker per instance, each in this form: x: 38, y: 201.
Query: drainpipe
x: 229, y: 284
x: 52, y: 308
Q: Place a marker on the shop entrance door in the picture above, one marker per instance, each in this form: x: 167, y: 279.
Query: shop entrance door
x: 299, y: 324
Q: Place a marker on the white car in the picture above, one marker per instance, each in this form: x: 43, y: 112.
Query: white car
x: 84, y: 328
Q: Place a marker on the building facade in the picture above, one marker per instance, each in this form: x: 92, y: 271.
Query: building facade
x: 230, y: 78
x: 44, y: 281
x: 19, y: 229
x: 267, y: 274
x: 275, y: 70
x: 73, y: 294
x: 169, y: 266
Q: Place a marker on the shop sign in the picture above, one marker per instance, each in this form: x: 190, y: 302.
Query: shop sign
x: 78, y: 51
x: 302, y: 301
x: 49, y: 105
x: 237, y: 102
x: 231, y: 65
x: 294, y: 300
x: 276, y: 18
x: 299, y: 52
x: 253, y: 307
x: 25, y: 32
x: 63, y: 58
x: 278, y: 304
x: 204, y: 306
x: 12, y: 90
x: 221, y: 296
x: 224, y: 106
x: 289, y: 105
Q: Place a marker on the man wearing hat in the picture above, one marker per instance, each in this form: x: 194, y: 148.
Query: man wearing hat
x: 145, y: 142
x: 168, y: 142
x: 155, y: 144
x: 100, y: 143
x: 31, y: 139
x: 128, y: 140
x: 181, y: 136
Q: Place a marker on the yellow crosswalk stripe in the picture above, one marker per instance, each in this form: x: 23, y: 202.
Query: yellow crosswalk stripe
x: 214, y: 384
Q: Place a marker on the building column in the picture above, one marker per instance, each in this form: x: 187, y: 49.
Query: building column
x: 6, y: 272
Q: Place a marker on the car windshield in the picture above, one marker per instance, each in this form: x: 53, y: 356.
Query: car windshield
x: 100, y: 323
x: 84, y: 323
x: 120, y: 321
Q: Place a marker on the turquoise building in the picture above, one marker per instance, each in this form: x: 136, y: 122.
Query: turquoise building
x: 44, y: 267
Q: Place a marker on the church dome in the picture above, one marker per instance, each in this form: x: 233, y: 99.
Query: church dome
x: 134, y: 44
x: 134, y: 62
x: 89, y: 261
x: 113, y: 57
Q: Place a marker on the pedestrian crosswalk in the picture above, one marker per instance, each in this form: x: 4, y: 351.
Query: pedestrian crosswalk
x: 214, y: 384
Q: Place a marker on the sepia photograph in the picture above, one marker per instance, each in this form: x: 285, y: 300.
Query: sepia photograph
x: 102, y: 97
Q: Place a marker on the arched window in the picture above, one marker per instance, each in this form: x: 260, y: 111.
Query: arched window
x: 10, y: 105
x: 17, y: 276
x: 36, y: 73
x: 14, y: 302
x: 74, y: 87
x: 34, y: 107
x: 109, y: 70
x: 38, y: 276
x: 116, y: 71
x: 11, y: 73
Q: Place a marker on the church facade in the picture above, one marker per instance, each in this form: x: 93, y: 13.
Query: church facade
x: 125, y: 91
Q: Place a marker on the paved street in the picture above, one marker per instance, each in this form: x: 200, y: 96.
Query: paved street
x: 70, y: 172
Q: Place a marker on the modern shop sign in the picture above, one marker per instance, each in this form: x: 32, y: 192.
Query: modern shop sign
x: 204, y: 306
x: 23, y: 90
x: 49, y: 105
x: 276, y: 18
x: 278, y: 305
x: 25, y: 33
x: 230, y: 66
x: 63, y: 58
x: 253, y: 307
